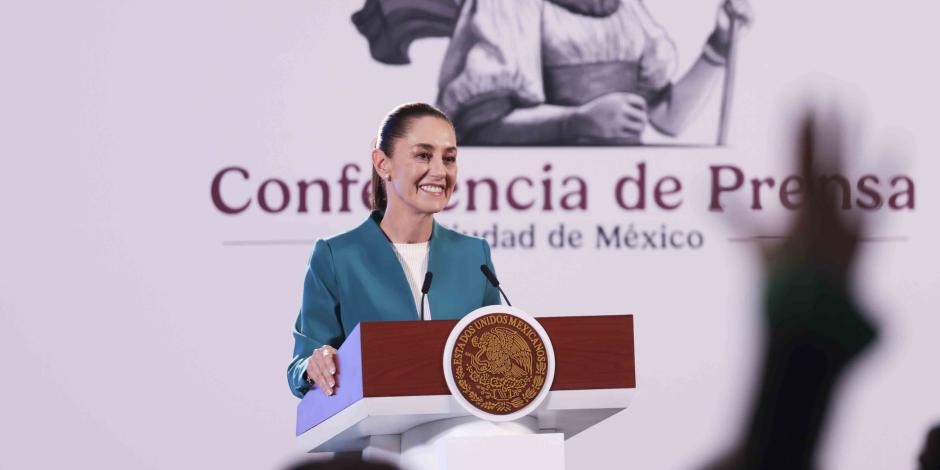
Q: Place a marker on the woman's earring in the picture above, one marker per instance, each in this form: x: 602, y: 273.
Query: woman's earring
x: 388, y: 178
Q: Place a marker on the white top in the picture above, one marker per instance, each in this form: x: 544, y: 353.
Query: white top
x: 414, y: 261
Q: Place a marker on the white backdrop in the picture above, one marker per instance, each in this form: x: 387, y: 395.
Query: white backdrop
x: 135, y: 334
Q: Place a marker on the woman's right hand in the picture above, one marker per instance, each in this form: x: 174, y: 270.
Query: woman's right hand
x: 321, y: 368
x: 615, y: 118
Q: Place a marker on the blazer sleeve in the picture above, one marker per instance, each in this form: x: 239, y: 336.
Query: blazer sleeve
x: 490, y: 293
x: 318, y: 322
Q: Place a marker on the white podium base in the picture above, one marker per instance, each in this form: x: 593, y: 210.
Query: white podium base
x: 356, y: 427
x: 467, y: 443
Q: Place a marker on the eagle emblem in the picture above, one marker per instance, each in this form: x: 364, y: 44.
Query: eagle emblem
x: 499, y: 363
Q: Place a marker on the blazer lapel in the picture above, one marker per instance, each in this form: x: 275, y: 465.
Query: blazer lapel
x: 441, y: 262
x: 390, y: 269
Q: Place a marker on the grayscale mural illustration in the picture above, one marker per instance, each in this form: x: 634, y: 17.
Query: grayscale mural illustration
x: 559, y: 72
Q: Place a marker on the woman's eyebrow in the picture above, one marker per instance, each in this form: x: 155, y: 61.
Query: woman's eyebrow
x: 431, y: 147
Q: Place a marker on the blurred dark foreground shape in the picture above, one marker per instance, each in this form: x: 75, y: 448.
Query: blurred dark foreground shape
x: 930, y: 457
x: 812, y: 328
x: 342, y: 463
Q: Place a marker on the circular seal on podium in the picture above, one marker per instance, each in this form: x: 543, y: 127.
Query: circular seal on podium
x: 499, y: 363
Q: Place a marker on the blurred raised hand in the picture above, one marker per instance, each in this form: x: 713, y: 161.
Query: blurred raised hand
x: 813, y: 329
x: 821, y: 234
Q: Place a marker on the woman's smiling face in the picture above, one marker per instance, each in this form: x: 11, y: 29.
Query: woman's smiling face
x: 423, y: 166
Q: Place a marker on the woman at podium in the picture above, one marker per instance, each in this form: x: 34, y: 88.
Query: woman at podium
x: 376, y: 271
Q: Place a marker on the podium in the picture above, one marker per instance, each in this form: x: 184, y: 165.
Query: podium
x: 392, y: 402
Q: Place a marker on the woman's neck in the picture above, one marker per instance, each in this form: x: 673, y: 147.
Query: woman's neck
x: 406, y: 227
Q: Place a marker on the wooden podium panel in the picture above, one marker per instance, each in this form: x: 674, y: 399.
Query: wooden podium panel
x: 405, y: 358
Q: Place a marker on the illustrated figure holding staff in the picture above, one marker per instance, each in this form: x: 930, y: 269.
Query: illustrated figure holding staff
x: 560, y: 72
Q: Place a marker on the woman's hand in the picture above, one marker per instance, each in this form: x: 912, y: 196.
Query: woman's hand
x: 321, y: 368
x: 614, y: 118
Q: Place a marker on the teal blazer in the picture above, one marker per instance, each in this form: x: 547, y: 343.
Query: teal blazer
x: 356, y: 277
